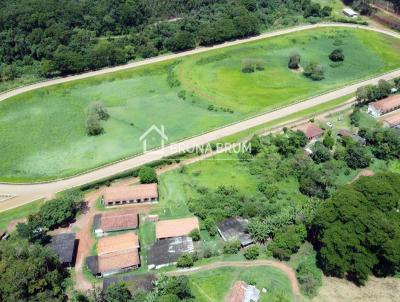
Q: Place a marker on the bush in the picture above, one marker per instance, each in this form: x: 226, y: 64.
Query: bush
x: 310, y: 278
x: 93, y: 126
x: 185, y: 260
x: 288, y: 242
x: 252, y: 252
x: 232, y: 247
x: 314, y: 71
x: 337, y: 55
x: 294, y: 61
x: 195, y: 234
x: 148, y: 175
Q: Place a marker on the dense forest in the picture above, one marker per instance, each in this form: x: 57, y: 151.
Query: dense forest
x: 47, y: 38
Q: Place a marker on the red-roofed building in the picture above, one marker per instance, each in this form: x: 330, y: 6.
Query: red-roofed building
x: 384, y: 106
x: 116, y: 195
x: 310, y: 130
x: 392, y: 121
x: 115, y: 221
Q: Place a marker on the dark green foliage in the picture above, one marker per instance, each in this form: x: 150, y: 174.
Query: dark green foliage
x: 357, y: 156
x: 30, y: 273
x: 337, y: 55
x: 195, y: 235
x: 309, y: 277
x: 255, y: 145
x: 316, y: 182
x: 252, y: 252
x: 99, y: 109
x: 397, y: 82
x: 328, y: 141
x: 357, y: 232
x: 93, y: 125
x: 294, y: 61
x: 232, y: 247
x: 289, y: 143
x: 182, y: 40
x: 383, y: 142
x: 288, y: 241
x: 384, y: 88
x: 314, y: 71
x: 371, y: 93
x: 185, y: 260
x: 320, y: 153
x: 117, y: 292
x: 355, y: 117
x: 148, y: 175
x: 173, y: 287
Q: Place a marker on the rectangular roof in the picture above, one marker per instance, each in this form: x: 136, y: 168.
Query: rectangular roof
x: 64, y: 246
x: 176, y: 227
x: 118, y: 243
x: 118, y: 193
x: 118, y: 260
x: 393, y: 120
x: 168, y: 251
x: 235, y: 228
x: 388, y: 104
x: 116, y: 220
x: 310, y: 130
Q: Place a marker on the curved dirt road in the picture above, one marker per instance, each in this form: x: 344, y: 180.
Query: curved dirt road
x: 287, y: 270
x: 26, y: 193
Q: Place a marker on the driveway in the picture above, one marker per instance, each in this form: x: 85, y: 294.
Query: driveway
x: 26, y: 193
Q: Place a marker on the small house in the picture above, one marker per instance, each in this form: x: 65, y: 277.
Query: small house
x: 234, y: 229
x: 65, y: 246
x: 311, y: 131
x: 384, y: 106
x: 176, y: 227
x: 118, y: 195
x: 166, y: 252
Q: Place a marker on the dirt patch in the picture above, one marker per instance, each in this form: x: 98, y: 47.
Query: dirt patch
x: 363, y: 173
x: 299, y: 70
x: 376, y: 289
x: 13, y: 224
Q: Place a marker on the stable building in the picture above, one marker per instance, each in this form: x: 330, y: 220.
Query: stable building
x: 310, y: 130
x: 176, y: 227
x: 234, y: 229
x: 392, y: 121
x: 65, y: 246
x: 115, y: 254
x: 166, y: 252
x: 115, y: 221
x: 384, y: 106
x: 118, y: 195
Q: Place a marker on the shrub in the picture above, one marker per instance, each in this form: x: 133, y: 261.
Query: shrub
x: 288, y: 241
x: 148, y: 175
x: 248, y: 66
x: 195, y: 234
x: 314, y: 71
x: 185, y: 260
x: 252, y: 252
x: 310, y: 278
x: 294, y: 61
x: 93, y: 126
x: 232, y: 247
x: 337, y: 55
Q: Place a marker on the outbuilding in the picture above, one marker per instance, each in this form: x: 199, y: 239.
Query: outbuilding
x: 120, y: 195
x: 65, y: 246
x: 166, y: 252
x: 115, y: 221
x: 176, y: 227
x: 392, y: 121
x: 235, y: 229
x: 384, y: 106
x: 349, y: 12
x: 310, y: 130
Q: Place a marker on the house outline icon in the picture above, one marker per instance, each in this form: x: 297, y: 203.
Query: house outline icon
x: 160, y: 131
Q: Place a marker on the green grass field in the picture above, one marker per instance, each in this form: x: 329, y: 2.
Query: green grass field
x: 214, y: 285
x: 42, y: 133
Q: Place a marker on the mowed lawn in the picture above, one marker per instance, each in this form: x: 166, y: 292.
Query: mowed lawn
x: 214, y: 285
x: 42, y: 133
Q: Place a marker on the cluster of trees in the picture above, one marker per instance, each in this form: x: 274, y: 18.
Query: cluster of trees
x: 337, y: 55
x: 251, y: 65
x: 148, y: 175
x: 384, y: 143
x: 357, y: 231
x: 95, y: 113
x: 371, y: 93
x: 49, y: 37
x: 53, y: 214
x: 314, y: 71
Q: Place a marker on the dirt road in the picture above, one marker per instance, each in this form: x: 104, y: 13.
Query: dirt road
x: 26, y: 193
x: 287, y: 270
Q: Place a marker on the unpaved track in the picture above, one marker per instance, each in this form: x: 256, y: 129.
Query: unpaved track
x: 287, y: 270
x: 26, y: 193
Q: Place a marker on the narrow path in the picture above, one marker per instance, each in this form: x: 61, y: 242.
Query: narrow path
x: 26, y: 193
x: 287, y: 270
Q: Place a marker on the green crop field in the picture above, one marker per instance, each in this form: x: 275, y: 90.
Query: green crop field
x: 214, y: 285
x: 42, y: 133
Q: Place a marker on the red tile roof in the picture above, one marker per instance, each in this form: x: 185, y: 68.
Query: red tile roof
x: 119, y: 193
x: 389, y: 104
x: 119, y: 220
x: 118, y: 243
x: 392, y: 120
x: 176, y: 227
x: 310, y: 130
x: 120, y: 260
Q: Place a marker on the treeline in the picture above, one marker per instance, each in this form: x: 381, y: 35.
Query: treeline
x: 49, y: 38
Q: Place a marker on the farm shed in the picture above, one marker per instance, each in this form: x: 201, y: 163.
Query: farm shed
x: 118, y: 195
x: 235, y: 229
x: 64, y: 245
x: 115, y: 221
x: 167, y: 251
x: 176, y: 227
x: 242, y: 292
x: 384, y: 106
x: 392, y: 121
x: 349, y: 12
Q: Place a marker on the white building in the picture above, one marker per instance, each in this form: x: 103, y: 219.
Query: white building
x: 350, y: 12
